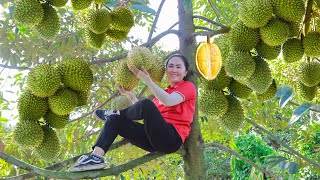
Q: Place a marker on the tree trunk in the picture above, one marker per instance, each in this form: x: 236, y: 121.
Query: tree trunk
x: 194, y: 166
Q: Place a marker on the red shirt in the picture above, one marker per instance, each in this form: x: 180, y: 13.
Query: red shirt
x: 180, y: 115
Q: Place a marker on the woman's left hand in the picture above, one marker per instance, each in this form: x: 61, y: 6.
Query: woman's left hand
x: 142, y: 74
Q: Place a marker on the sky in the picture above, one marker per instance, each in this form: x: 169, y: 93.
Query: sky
x: 168, y: 16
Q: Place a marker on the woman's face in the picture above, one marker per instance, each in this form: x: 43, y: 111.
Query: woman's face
x: 175, y: 70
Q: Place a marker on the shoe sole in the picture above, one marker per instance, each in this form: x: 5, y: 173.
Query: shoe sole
x: 87, y: 168
x: 95, y: 115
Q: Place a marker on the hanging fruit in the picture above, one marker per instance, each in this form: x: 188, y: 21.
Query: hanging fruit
x: 208, y: 59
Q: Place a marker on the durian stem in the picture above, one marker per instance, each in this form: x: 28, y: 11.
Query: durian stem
x: 307, y: 16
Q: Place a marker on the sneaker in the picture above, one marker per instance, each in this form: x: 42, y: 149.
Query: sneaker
x: 88, y: 162
x: 103, y: 115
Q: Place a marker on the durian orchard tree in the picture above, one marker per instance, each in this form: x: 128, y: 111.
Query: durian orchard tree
x: 205, y: 155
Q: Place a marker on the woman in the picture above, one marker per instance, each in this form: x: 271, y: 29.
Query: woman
x: 167, y: 117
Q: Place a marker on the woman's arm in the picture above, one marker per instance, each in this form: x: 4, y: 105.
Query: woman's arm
x: 165, y: 98
x: 129, y: 94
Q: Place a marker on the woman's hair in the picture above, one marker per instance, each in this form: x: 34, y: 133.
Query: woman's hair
x: 185, y: 62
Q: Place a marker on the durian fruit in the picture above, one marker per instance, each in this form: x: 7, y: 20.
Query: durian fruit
x: 31, y: 107
x: 270, y: 93
x: 261, y: 79
x: 219, y: 83
x: 28, y: 133
x: 80, y: 4
x: 233, y: 119
x: 268, y: 52
x: 28, y: 12
x: 307, y: 93
x: 56, y: 121
x: 50, y: 25
x: 98, y: 21
x: 255, y: 13
x: 124, y: 77
x: 82, y: 97
x: 117, y: 35
x: 275, y: 33
x: 43, y: 80
x: 243, y: 37
x: 57, y: 3
x: 63, y: 102
x: 240, y: 65
x: 157, y: 70
x: 76, y: 74
x: 49, y: 149
x: 292, y: 50
x: 239, y: 90
x: 311, y: 44
x: 120, y: 102
x: 95, y: 40
x: 289, y: 10
x: 223, y: 42
x: 140, y: 56
x: 122, y: 19
x: 309, y: 73
x: 213, y: 104
x: 294, y: 29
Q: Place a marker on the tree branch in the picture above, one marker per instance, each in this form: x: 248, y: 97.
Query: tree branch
x: 283, y: 144
x: 308, y: 16
x: 212, y: 33
x: 201, y: 27
x: 155, y: 20
x: 12, y: 67
x: 220, y: 146
x: 210, y: 21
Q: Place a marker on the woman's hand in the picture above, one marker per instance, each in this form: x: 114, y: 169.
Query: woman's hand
x: 142, y: 74
x: 129, y: 94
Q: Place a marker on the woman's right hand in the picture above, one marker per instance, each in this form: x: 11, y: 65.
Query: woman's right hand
x: 129, y: 94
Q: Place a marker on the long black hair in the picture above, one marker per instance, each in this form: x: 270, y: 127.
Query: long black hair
x: 185, y: 62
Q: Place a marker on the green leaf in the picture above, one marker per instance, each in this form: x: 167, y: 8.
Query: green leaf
x: 281, y: 91
x: 143, y: 8
x: 3, y: 119
x: 293, y: 168
x: 187, y: 5
x: 284, y: 165
x: 298, y: 112
x: 285, y: 98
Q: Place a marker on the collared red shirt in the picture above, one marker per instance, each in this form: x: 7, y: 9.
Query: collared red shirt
x: 180, y: 115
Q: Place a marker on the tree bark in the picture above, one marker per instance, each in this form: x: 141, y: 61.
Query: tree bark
x: 194, y: 165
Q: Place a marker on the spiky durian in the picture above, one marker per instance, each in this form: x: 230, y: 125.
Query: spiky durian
x: 307, y: 93
x: 43, y: 80
x: 261, y: 78
x: 55, y: 120
x: 124, y: 77
x: 213, y: 103
x: 289, y: 10
x: 240, y: 65
x: 80, y: 4
x: 95, y: 40
x: 219, y: 83
x: 268, y: 52
x: 117, y: 35
x: 157, y: 70
x: 28, y: 133
x: 275, y: 32
x: 233, y: 119
x: 223, y: 42
x: 50, y: 25
x: 311, y: 44
x: 122, y: 19
x: 63, y: 102
x: 239, y: 90
x: 31, y: 107
x: 140, y: 56
x: 28, y: 12
x: 49, y: 149
x: 309, y: 73
x: 120, y: 102
x: 243, y: 37
x: 255, y: 13
x: 76, y: 74
x: 270, y: 93
x: 292, y: 50
x: 82, y: 97
x: 57, y: 3
x: 99, y: 20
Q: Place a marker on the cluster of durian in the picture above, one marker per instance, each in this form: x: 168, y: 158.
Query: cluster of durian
x: 52, y: 92
x: 138, y: 56
x: 39, y: 16
x: 103, y: 24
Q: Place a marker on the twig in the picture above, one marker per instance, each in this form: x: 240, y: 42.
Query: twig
x: 12, y: 67
x: 201, y: 27
x: 155, y: 20
x: 210, y: 21
x: 212, y: 33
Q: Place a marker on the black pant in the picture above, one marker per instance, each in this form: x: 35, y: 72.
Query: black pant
x: 154, y: 135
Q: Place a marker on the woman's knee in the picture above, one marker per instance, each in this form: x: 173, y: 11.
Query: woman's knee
x: 147, y: 103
